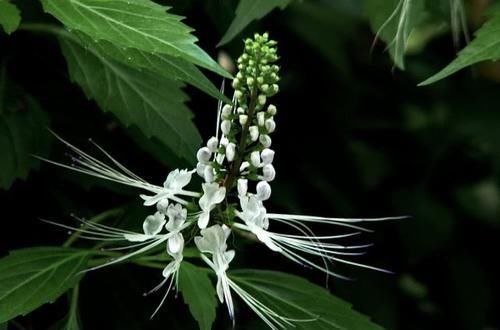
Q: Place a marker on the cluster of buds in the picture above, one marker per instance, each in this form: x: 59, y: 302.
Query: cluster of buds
x: 243, y: 152
x: 238, y: 158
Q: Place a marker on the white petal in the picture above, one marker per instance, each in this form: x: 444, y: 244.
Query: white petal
x: 153, y: 224
x: 203, y: 220
x: 136, y: 237
x: 175, y: 243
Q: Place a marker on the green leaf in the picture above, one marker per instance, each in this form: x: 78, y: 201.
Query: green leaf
x: 163, y: 65
x: 485, y: 46
x: 246, y: 12
x: 3, y: 326
x: 140, y: 24
x: 198, y: 293
x: 32, y: 277
x: 393, y: 21
x: 153, y: 103
x: 10, y: 16
x: 22, y: 132
x: 297, y: 298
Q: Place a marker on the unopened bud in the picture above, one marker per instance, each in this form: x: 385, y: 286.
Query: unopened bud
x: 208, y: 174
x: 240, y: 110
x: 244, y: 166
x: 224, y: 141
x: 230, y: 151
x: 226, y: 111
x: 250, y: 81
x: 261, y: 118
x: 268, y: 172
x: 242, y: 187
x: 203, y: 155
x: 265, y: 140
x: 225, y: 127
x: 238, y: 94
x: 212, y: 144
x: 270, y: 125
x: 243, y: 119
x: 263, y: 190
x: 200, y: 169
x: 261, y: 99
x: 254, y: 133
x: 271, y: 109
x: 236, y: 83
x: 267, y: 156
x: 255, y: 158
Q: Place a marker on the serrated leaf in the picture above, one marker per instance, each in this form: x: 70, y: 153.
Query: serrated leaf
x: 161, y: 64
x: 140, y: 24
x: 199, y: 294
x: 32, y: 277
x: 393, y: 21
x: 297, y: 298
x: 152, y: 103
x: 22, y: 132
x: 485, y: 46
x: 248, y: 11
x: 10, y: 16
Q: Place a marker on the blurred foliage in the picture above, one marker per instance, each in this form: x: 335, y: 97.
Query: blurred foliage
x: 356, y: 137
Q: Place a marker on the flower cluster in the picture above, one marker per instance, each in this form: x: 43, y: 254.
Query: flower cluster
x: 236, y: 168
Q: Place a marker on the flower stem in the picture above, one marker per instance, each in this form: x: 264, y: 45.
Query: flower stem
x: 229, y: 181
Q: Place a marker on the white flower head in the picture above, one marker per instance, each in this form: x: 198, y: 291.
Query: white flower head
x: 173, y: 185
x: 213, y: 194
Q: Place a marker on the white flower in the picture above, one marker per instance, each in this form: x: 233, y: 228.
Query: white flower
x: 176, y: 218
x: 213, y: 194
x: 213, y: 241
x: 271, y: 109
x: 208, y: 174
x: 270, y: 125
x: 225, y: 127
x: 261, y: 118
x: 162, y: 205
x: 243, y: 120
x: 173, y: 185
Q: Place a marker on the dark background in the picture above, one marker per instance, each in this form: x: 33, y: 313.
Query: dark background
x: 355, y: 138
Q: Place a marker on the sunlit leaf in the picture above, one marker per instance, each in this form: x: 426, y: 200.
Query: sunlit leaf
x: 140, y: 24
x: 10, y: 16
x: 153, y: 103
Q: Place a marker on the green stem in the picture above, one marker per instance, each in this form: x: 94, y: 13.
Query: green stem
x: 98, y: 218
x: 229, y: 181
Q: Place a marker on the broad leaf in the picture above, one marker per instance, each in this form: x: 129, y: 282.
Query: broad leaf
x: 152, y: 103
x: 246, y: 12
x: 10, y: 16
x: 296, y: 298
x: 393, y: 21
x: 485, y: 46
x: 161, y: 64
x: 32, y: 277
x: 198, y: 293
x: 140, y: 24
x: 23, y: 132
